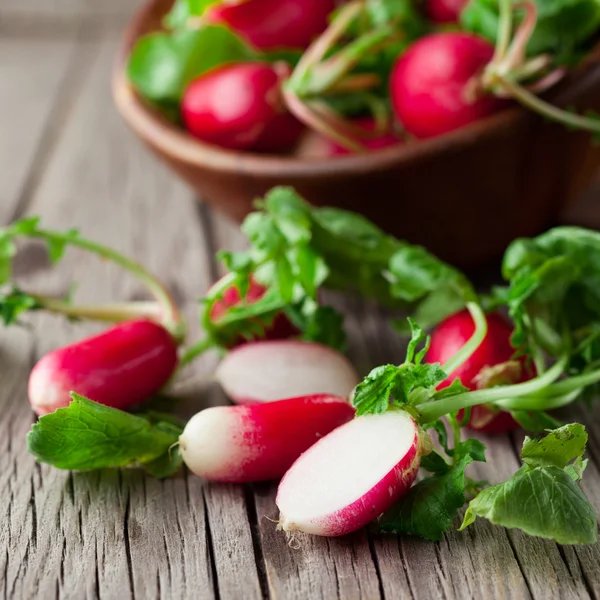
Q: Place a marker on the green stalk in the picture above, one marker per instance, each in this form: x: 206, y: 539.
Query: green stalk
x: 327, y: 74
x: 534, y: 402
x: 430, y: 411
x: 195, y: 351
x: 171, y: 318
x: 504, y: 29
x: 474, y: 341
x: 531, y: 101
x: 319, y: 48
x: 110, y: 312
x: 572, y: 384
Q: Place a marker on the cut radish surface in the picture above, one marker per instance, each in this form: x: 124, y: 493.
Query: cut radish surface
x: 351, y: 476
x: 269, y: 370
x: 255, y: 443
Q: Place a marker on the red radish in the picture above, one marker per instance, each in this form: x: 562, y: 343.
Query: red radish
x: 317, y: 145
x: 232, y: 105
x: 352, y: 475
x: 451, y: 335
x: 120, y: 368
x: 269, y: 24
x: 280, y: 135
x: 444, y: 11
x: 269, y: 370
x: 281, y: 328
x: 434, y: 87
x: 254, y: 443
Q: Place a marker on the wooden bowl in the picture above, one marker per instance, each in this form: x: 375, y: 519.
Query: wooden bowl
x: 464, y: 195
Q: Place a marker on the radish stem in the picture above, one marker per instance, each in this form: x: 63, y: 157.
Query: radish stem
x: 474, y: 341
x: 430, y: 411
x: 531, y: 101
x: 110, y: 312
x: 537, y: 402
x: 317, y: 51
x: 195, y: 351
x: 171, y: 318
x: 504, y: 30
x: 306, y: 114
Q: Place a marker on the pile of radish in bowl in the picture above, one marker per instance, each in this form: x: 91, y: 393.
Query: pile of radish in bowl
x: 327, y: 78
x: 347, y: 446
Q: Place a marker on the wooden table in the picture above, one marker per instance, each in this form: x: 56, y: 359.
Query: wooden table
x: 65, y: 155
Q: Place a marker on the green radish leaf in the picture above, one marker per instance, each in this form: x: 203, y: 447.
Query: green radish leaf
x: 564, y: 28
x: 456, y: 387
x: 25, y: 226
x: 544, y: 501
x: 390, y: 385
x: 543, y: 497
x: 87, y: 435
x: 374, y: 394
x: 326, y: 326
x: 161, y: 65
x: 554, y: 294
x: 14, y: 303
x: 431, y: 506
x: 7, y: 253
x: 417, y: 337
x: 575, y: 470
x: 557, y: 449
x: 470, y: 447
x: 183, y: 10
x: 57, y: 245
x: 165, y: 465
x: 435, y: 463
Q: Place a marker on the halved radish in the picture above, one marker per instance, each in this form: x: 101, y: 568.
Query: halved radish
x: 352, y: 475
x: 255, y: 443
x: 268, y: 370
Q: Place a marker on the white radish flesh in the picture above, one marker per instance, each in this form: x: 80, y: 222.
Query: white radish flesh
x: 260, y: 442
x: 351, y: 476
x: 269, y: 370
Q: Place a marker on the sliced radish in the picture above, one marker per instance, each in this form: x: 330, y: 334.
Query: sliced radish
x: 352, y: 475
x: 268, y: 370
x: 255, y: 443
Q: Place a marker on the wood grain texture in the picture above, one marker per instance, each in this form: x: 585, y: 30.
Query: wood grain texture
x: 123, y: 535
x: 35, y: 87
x: 41, y: 9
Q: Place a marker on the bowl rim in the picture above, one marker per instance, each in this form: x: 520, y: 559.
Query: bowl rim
x: 157, y: 131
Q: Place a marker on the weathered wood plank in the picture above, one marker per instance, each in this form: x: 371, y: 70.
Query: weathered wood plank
x: 113, y: 534
x: 36, y: 86
x: 67, y: 8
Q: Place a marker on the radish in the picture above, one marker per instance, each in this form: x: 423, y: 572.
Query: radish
x: 269, y: 370
x: 232, y: 105
x: 444, y: 11
x: 254, y: 443
x: 120, y: 368
x: 269, y: 24
x: 434, y: 85
x: 451, y: 335
x: 281, y: 328
x: 280, y: 135
x: 352, y: 475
